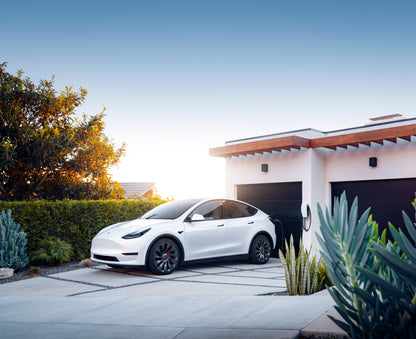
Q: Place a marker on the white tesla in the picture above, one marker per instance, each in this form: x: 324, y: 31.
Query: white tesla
x: 185, y: 231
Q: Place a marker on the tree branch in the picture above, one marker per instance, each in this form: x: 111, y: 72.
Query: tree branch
x: 3, y: 190
x: 41, y: 181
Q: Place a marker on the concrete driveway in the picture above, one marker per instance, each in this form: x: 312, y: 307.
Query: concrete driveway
x: 236, y: 278
x: 216, y: 300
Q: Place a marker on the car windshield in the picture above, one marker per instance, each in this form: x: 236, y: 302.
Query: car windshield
x: 170, y: 210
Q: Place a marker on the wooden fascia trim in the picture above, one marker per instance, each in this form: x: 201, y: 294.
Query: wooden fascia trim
x: 294, y: 142
x: 407, y: 138
x: 403, y: 132
x: 260, y: 146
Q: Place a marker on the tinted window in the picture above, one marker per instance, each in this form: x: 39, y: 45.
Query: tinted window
x: 170, y: 210
x: 233, y: 209
x: 211, y: 210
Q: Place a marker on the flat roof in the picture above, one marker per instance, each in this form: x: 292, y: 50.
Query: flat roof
x: 372, y: 133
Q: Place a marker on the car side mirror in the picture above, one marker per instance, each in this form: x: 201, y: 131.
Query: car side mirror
x: 197, y: 217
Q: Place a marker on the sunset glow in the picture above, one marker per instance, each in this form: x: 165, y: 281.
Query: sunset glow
x: 179, y: 77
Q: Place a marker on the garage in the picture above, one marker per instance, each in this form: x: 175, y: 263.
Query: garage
x: 387, y: 198
x: 278, y: 172
x: 281, y: 201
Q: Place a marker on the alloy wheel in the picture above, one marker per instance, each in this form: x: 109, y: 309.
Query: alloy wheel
x: 165, y: 256
x: 262, y: 249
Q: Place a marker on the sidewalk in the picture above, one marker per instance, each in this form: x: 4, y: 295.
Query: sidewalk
x: 159, y: 317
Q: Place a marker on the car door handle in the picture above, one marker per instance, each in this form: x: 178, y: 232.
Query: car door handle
x: 222, y: 225
x: 251, y: 222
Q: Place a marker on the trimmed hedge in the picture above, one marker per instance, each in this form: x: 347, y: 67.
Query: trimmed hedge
x: 76, y: 222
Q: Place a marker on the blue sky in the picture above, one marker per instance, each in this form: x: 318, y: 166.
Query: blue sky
x: 178, y: 77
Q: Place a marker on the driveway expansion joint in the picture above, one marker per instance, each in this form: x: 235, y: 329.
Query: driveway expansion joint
x: 79, y: 282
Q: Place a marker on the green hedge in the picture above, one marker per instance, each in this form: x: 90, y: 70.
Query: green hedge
x: 73, y: 221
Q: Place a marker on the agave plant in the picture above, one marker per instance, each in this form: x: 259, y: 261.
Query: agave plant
x: 374, y: 280
x: 301, y: 271
x: 12, y: 243
x: 394, y: 277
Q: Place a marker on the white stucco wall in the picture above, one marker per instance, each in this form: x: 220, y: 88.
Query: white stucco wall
x: 394, y: 161
x: 283, y: 167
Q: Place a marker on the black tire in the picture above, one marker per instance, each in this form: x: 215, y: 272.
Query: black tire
x: 164, y: 256
x: 260, y: 250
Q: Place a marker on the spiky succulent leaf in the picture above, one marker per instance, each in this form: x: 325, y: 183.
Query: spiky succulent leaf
x: 405, y: 245
x: 404, y: 269
x: 411, y: 228
x: 374, y: 280
x: 301, y: 271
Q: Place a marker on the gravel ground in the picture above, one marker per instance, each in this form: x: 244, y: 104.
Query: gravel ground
x: 44, y: 271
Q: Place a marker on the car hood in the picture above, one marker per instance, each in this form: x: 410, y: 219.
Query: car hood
x: 127, y: 227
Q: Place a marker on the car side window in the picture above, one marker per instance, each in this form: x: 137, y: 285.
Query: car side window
x: 211, y: 210
x: 234, y: 209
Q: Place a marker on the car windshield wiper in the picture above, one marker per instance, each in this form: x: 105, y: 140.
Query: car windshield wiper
x: 151, y: 216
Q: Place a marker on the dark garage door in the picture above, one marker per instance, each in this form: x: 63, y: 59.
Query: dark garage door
x: 387, y: 198
x: 281, y: 201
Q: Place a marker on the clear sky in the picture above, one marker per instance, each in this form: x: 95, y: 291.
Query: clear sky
x: 178, y: 77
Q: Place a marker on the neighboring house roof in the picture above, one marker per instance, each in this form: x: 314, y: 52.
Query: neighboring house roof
x: 137, y: 188
x: 309, y: 138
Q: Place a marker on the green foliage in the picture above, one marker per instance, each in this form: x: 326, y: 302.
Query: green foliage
x: 303, y: 274
x: 51, y: 252
x: 45, y: 151
x: 323, y: 278
x: 12, y: 243
x: 75, y: 222
x: 374, y: 280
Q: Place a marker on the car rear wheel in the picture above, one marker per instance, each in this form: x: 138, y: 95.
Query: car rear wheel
x: 260, y: 250
x: 164, y: 256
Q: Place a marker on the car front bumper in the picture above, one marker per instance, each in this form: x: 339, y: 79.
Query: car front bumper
x: 130, y: 253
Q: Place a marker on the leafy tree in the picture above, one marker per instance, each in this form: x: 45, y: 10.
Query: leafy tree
x: 45, y: 150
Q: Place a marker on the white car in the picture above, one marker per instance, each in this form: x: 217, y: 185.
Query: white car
x: 184, y: 231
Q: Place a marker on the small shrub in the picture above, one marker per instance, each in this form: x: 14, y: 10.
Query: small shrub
x: 302, y: 271
x: 323, y: 278
x: 52, y: 251
x: 12, y: 243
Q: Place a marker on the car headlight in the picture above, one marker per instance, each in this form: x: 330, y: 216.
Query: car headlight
x: 136, y: 234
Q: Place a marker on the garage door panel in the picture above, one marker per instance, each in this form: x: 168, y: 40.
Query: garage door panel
x: 276, y: 191
x: 387, y: 198
x: 281, y: 201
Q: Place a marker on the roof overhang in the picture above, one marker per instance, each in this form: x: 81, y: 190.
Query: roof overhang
x: 366, y: 138
x: 268, y: 145
x: 378, y: 136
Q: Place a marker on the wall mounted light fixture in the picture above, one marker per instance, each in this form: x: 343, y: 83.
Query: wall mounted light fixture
x: 372, y: 162
x: 265, y: 168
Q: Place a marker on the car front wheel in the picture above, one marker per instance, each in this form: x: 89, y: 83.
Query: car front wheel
x: 260, y: 250
x: 164, y: 256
